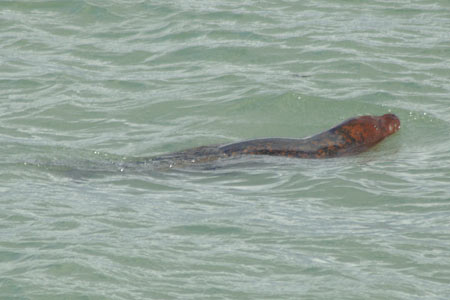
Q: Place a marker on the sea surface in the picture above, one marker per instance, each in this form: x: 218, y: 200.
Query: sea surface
x: 90, y: 88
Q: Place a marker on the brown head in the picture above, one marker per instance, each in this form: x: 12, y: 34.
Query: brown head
x: 389, y: 124
x: 366, y: 131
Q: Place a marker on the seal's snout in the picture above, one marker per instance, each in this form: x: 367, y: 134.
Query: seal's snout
x: 390, y: 124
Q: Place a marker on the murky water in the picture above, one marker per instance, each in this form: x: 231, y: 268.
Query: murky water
x: 88, y: 88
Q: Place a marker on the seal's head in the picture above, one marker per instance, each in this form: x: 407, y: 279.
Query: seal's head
x: 366, y: 131
x: 388, y: 124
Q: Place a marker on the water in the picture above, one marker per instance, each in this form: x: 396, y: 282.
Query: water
x: 88, y: 86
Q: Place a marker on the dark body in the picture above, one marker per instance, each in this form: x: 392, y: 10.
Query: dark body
x: 350, y: 137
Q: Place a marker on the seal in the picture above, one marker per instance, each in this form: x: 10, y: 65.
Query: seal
x: 351, y: 137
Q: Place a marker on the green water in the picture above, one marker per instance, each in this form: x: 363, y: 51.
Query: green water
x: 88, y: 85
